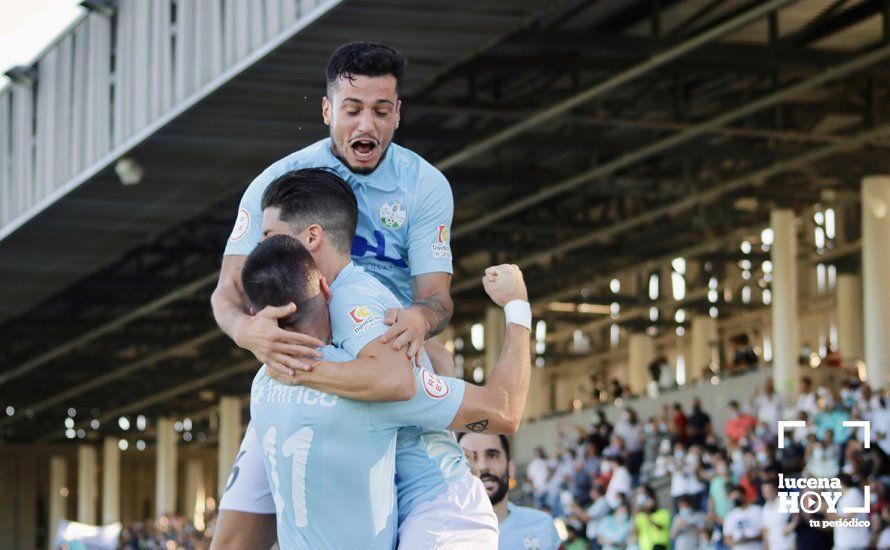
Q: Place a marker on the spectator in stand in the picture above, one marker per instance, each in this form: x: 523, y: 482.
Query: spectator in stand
x: 688, y: 526
x: 778, y: 528
x: 806, y: 401
x: 850, y: 538
x: 619, y: 481
x: 831, y: 417
x: 679, y: 421
x: 653, y: 524
x: 538, y: 472
x: 739, y: 425
x: 744, y: 358
x: 742, y: 526
x: 769, y: 406
x: 631, y: 433
x: 594, y: 514
x: 616, y: 389
x: 699, y: 424
x: 614, y: 530
x: 718, y: 494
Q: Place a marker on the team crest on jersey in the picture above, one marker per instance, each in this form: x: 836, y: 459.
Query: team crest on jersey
x: 435, y: 387
x: 242, y: 224
x: 392, y: 214
x: 363, y: 318
x: 531, y: 542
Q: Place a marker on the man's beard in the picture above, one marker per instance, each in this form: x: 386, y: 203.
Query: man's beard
x: 360, y: 171
x: 503, y: 485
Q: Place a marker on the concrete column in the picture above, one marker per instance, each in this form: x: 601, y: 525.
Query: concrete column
x: 850, y: 315
x: 495, y: 332
x: 195, y: 492
x: 58, y: 494
x: 87, y: 468
x: 876, y: 276
x: 229, y: 437
x: 701, y: 349
x: 165, y: 476
x: 786, y: 325
x: 641, y: 352
x: 111, y: 481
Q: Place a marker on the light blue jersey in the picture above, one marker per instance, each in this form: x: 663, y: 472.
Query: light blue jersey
x: 527, y: 529
x: 427, y: 461
x: 404, y: 214
x: 330, y: 462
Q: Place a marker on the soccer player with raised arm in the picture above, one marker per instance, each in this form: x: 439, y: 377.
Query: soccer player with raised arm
x: 437, y: 508
x: 330, y: 461
x: 402, y: 238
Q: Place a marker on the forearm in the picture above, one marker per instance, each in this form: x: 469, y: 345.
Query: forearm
x: 228, y: 309
x: 497, y: 407
x: 362, y: 379
x: 437, y: 309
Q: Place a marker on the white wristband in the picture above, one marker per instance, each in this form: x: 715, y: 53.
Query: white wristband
x: 519, y: 312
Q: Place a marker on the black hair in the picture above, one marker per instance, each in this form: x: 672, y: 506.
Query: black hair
x: 280, y: 271
x: 363, y: 59
x: 505, y: 443
x: 315, y: 196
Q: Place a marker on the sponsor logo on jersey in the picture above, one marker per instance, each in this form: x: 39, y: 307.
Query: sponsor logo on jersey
x: 531, y: 542
x: 435, y: 387
x: 242, y: 224
x: 392, y: 214
x: 441, y: 249
x: 363, y: 318
x: 442, y: 234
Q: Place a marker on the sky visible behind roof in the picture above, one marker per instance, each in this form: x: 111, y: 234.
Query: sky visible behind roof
x: 28, y: 26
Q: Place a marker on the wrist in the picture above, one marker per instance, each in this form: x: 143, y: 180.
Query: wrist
x: 518, y: 312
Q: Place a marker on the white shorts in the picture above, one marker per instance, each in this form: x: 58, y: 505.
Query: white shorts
x: 459, y: 518
x: 247, y: 488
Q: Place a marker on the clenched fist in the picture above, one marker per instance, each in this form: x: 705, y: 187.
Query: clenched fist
x: 504, y: 283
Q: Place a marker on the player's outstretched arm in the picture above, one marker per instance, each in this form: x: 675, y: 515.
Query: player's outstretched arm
x: 497, y: 406
x: 279, y: 349
x: 379, y: 373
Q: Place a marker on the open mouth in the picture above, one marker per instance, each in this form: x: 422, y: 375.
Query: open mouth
x: 363, y: 149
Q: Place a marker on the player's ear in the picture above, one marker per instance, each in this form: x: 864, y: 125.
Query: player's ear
x: 326, y: 110
x: 398, y: 112
x: 325, y: 289
x: 314, y: 234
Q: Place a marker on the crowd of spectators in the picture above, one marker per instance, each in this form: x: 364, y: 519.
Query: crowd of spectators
x: 676, y: 480
x: 174, y: 532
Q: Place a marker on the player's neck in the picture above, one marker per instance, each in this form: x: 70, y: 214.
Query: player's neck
x: 330, y: 265
x: 501, y: 510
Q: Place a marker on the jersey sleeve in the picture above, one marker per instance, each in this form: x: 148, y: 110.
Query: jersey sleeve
x: 433, y: 406
x: 429, y: 233
x: 248, y: 230
x: 555, y: 541
x: 356, y: 319
x: 247, y: 487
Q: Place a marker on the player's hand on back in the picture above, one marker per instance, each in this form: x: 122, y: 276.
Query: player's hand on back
x: 408, y: 327
x: 503, y: 283
x: 281, y: 350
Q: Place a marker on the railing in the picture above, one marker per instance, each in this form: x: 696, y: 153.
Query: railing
x: 110, y: 81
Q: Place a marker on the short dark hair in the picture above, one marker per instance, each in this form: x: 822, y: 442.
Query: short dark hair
x: 315, y: 196
x: 363, y: 59
x: 280, y: 271
x: 505, y: 443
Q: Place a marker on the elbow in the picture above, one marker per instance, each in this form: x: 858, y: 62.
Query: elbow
x: 507, y: 423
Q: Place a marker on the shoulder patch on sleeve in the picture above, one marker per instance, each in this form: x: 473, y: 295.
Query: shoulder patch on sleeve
x: 242, y: 224
x: 362, y: 318
x: 435, y: 387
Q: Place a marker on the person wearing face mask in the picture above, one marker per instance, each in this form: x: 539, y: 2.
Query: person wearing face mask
x: 778, y: 528
x: 769, y: 406
x: 742, y: 526
x: 687, y: 527
x: 614, y: 529
x: 620, y: 481
x: 718, y: 494
x: 653, y: 524
x: 519, y: 527
x: 631, y: 433
x: 740, y: 423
